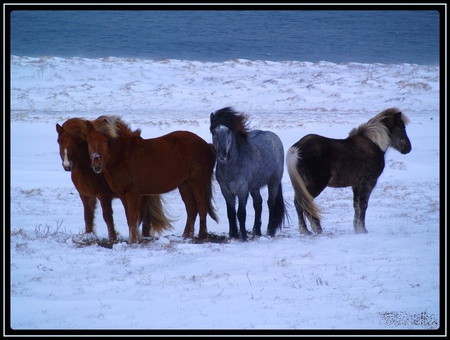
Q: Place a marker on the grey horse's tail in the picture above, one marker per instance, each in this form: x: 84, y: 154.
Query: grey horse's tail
x: 302, y: 195
x: 280, y: 211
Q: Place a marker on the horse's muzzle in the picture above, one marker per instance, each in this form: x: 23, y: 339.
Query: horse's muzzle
x: 405, y: 147
x: 97, y: 168
x: 96, y: 163
x: 222, y: 157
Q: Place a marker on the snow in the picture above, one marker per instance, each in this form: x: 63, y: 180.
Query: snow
x: 387, y: 280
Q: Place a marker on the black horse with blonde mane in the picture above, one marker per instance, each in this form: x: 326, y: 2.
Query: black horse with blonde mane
x: 315, y: 162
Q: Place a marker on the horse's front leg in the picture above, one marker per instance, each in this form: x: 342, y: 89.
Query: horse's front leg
x: 106, y: 203
x: 257, y: 205
x: 131, y: 203
x: 230, y: 200
x: 361, y: 196
x: 89, y: 203
x: 242, y: 214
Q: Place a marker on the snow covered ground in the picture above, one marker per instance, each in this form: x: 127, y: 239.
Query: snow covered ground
x: 387, y: 280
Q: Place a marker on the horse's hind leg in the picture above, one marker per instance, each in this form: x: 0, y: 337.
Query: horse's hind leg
x: 201, y: 200
x: 361, y: 196
x: 106, y: 203
x: 191, y: 209
x: 301, y: 218
x: 315, y: 223
x: 89, y: 204
x: 153, y: 216
x: 257, y: 205
x: 302, y: 212
x: 145, y: 216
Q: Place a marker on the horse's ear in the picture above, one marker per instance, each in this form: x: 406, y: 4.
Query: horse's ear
x: 58, y: 128
x: 88, y: 126
x: 401, y: 116
x: 398, y: 116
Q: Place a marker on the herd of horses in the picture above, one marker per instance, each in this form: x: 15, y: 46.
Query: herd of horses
x: 107, y: 160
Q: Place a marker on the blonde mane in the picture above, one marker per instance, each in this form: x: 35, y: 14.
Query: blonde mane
x: 113, y: 127
x: 376, y: 130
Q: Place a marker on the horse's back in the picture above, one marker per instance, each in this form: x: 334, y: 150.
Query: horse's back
x: 192, y: 146
x: 266, y: 140
x: 338, y: 162
x: 270, y: 153
x: 313, y: 146
x: 181, y: 136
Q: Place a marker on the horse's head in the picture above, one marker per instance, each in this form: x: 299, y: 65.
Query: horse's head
x: 222, y: 141
x: 399, y: 138
x: 66, y: 144
x: 97, y: 147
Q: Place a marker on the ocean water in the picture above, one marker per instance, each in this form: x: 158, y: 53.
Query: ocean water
x: 172, y: 63
x: 337, y: 36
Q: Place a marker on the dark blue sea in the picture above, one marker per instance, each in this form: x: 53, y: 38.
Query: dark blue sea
x: 337, y: 36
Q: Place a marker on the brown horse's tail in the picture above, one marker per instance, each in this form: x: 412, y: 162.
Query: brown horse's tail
x: 155, y: 216
x: 209, y: 189
x: 302, y: 195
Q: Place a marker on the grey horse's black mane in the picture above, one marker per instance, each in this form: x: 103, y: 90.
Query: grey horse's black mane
x: 233, y: 120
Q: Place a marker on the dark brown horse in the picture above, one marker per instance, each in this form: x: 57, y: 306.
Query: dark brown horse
x: 315, y: 162
x: 134, y: 166
x: 73, y: 150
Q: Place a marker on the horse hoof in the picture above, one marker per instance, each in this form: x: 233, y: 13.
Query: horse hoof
x: 361, y: 231
x: 256, y: 232
x: 271, y: 233
x: 85, y: 239
x: 203, y: 236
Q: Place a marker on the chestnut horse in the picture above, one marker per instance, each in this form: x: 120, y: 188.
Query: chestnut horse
x: 315, y: 162
x: 73, y: 150
x: 134, y: 166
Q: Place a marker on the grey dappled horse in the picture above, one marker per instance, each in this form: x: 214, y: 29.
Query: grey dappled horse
x: 248, y: 160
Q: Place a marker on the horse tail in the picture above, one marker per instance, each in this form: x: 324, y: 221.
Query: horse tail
x: 209, y: 190
x: 157, y: 216
x: 280, y: 211
x: 302, y: 195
